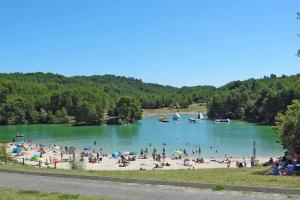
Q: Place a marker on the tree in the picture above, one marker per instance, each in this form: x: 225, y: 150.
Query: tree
x: 288, y: 127
x: 128, y: 110
x: 61, y: 117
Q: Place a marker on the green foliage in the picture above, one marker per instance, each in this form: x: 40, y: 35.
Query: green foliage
x: 288, y: 126
x: 51, y: 98
x: 128, y: 110
x: 218, y: 187
x: 3, y: 153
x: 255, y: 100
x: 10, y: 194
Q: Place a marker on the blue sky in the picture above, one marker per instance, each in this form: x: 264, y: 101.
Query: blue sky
x: 174, y: 42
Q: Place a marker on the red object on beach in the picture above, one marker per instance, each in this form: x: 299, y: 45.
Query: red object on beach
x: 56, y: 160
x: 297, y: 157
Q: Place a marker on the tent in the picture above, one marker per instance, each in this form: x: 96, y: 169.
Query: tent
x: 115, y: 154
x: 36, y: 157
x: 16, y: 150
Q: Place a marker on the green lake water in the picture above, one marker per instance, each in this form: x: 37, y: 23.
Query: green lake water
x: 234, y: 139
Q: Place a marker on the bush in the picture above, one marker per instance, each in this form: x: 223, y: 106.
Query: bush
x: 4, y: 153
x: 218, y: 187
x: 77, y: 164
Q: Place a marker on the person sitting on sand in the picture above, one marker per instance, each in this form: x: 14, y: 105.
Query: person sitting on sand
x: 157, y: 166
x: 133, y: 158
x: 270, y: 162
x: 289, y: 167
x: 276, y: 169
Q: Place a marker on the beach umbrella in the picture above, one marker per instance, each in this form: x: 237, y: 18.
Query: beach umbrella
x: 36, y: 155
x: 178, y: 152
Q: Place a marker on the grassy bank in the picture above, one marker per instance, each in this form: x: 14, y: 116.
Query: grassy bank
x: 166, y: 111
x: 245, y: 177
x: 8, y: 194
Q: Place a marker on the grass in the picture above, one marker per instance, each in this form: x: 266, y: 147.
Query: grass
x: 218, y: 187
x: 166, y: 111
x: 246, y: 177
x: 9, y: 194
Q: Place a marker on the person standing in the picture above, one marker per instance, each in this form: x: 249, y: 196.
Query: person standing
x: 252, y: 161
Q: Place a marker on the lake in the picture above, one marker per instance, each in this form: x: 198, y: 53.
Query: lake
x: 215, y: 139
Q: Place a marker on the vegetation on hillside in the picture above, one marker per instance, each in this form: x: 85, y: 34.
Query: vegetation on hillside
x: 255, y: 100
x: 128, y: 110
x: 51, y: 98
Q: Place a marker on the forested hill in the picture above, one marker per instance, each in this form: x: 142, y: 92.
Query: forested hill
x: 256, y: 100
x: 52, y: 98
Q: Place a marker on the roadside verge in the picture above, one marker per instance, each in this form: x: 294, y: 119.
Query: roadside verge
x: 290, y: 191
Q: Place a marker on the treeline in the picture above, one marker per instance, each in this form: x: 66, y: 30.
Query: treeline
x: 52, y: 98
x: 255, y: 100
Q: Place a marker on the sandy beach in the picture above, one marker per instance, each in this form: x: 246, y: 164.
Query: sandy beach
x: 54, y: 156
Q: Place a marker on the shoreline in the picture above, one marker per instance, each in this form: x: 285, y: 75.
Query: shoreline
x: 55, y: 157
x: 171, y: 113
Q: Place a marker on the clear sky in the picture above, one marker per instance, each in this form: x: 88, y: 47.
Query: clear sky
x: 174, y: 42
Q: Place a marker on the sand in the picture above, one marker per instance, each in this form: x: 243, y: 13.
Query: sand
x: 109, y: 163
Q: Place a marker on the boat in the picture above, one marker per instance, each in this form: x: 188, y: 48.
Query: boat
x: 176, y: 117
x: 201, y: 116
x: 223, y: 120
x: 192, y: 120
x: 164, y: 118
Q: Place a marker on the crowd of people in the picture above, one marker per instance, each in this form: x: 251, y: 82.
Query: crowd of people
x: 287, y: 165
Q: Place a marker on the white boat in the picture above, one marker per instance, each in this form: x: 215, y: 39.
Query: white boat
x: 176, y: 116
x: 223, y: 120
x: 201, y: 116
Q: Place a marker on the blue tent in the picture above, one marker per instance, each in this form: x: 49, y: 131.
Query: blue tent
x: 16, y: 150
x: 116, y: 154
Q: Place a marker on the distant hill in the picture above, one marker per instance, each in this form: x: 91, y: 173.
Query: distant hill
x: 255, y: 100
x: 53, y: 98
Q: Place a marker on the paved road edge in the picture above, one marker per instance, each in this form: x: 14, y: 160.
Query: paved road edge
x: 290, y: 191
